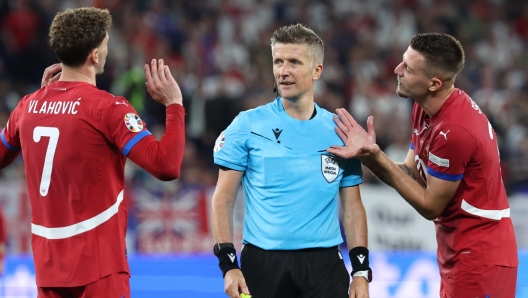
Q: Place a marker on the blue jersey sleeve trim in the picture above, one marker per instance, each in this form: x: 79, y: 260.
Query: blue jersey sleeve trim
x: 411, y: 146
x: 130, y: 144
x: 7, y: 144
x: 227, y: 164
x: 443, y: 176
x: 351, y: 182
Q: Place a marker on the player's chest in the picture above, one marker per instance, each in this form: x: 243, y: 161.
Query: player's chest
x: 421, y: 140
x: 422, y: 135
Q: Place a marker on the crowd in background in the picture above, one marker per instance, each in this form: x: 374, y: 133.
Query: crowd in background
x: 219, y: 52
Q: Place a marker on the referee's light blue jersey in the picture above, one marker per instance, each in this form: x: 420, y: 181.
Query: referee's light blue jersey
x: 290, y: 182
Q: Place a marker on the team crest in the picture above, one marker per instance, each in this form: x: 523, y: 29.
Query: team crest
x: 133, y: 122
x: 219, y: 142
x: 329, y: 167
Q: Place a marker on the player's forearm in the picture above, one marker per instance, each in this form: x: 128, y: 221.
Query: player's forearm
x: 163, y: 159
x: 222, y: 217
x: 172, y: 143
x: 406, y: 185
x: 411, y: 173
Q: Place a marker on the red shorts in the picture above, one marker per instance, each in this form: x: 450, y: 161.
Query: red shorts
x: 114, y: 285
x: 481, y: 282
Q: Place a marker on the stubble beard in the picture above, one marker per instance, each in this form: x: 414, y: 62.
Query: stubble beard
x: 398, y: 92
x: 401, y: 94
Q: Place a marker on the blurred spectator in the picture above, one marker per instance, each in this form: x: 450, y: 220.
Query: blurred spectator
x: 220, y: 55
x: 221, y: 58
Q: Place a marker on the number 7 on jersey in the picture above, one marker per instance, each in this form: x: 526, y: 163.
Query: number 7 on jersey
x: 53, y: 134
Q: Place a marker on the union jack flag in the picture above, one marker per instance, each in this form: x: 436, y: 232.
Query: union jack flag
x: 172, y: 221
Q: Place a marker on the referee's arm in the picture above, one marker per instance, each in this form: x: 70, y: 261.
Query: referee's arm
x: 223, y: 203
x: 354, y: 217
x: 222, y: 219
x: 355, y: 225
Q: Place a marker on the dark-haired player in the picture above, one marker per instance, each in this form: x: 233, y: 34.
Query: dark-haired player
x: 452, y: 172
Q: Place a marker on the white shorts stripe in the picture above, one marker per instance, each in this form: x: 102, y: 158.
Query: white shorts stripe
x: 491, y: 214
x: 78, y: 228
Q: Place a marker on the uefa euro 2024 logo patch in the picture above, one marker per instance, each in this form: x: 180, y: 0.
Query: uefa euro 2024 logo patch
x: 133, y: 122
x: 219, y: 142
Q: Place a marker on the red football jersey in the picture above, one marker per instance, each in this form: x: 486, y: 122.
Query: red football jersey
x: 74, y: 140
x: 459, y: 144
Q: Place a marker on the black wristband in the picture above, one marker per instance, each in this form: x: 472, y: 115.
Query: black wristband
x: 359, y: 257
x: 227, y: 259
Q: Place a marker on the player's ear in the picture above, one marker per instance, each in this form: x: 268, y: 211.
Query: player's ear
x: 94, y: 56
x: 435, y: 84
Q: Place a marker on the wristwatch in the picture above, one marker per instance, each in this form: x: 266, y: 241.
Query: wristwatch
x: 219, y: 246
x: 364, y: 274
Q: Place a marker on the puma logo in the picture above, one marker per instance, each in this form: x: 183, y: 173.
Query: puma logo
x: 421, y: 131
x: 445, y: 134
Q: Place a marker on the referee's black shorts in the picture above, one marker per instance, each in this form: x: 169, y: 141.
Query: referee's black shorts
x: 305, y: 273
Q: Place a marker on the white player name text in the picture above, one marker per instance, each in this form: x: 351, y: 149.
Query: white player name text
x: 54, y: 107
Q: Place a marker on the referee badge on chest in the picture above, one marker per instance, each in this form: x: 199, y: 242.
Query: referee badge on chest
x: 329, y: 167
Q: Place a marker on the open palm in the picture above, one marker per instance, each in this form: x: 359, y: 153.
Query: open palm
x: 161, y: 84
x: 358, y: 142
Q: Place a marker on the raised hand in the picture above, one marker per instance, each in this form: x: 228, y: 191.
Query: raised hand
x: 161, y: 85
x: 234, y: 283
x: 51, y: 74
x: 358, y: 143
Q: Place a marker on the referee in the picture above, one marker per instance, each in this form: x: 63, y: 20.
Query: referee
x: 291, y: 185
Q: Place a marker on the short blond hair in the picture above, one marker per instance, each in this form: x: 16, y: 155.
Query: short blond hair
x: 299, y: 34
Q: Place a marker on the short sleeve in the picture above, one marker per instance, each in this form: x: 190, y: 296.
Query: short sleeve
x: 449, y: 152
x: 352, y: 174
x: 10, y: 134
x: 230, y: 149
x: 125, y: 127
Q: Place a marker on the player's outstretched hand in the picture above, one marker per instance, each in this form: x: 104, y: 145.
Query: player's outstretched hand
x: 358, y: 288
x: 51, y: 74
x: 234, y: 283
x: 161, y: 85
x: 358, y: 143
